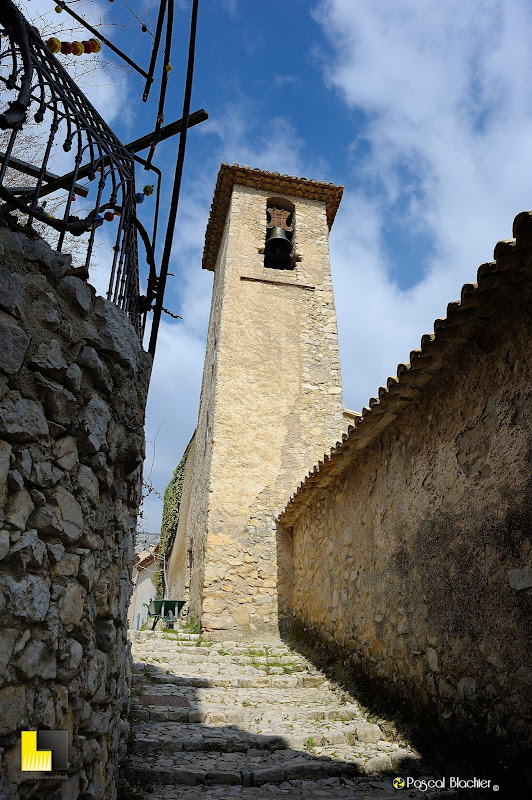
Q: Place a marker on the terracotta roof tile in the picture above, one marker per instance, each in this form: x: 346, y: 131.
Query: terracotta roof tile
x: 475, y: 307
x: 228, y: 176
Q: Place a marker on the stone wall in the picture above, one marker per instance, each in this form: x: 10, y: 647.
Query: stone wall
x: 410, y: 546
x: 73, y: 383
x: 271, y: 402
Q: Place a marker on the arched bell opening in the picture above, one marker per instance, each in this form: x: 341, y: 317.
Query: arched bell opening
x: 279, y: 244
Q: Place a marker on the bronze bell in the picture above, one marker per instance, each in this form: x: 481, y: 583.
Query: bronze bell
x: 278, y: 245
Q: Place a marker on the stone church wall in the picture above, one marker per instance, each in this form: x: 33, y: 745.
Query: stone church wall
x: 271, y: 402
x: 411, y: 550
x: 73, y: 384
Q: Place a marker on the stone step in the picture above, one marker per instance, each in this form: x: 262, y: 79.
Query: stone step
x: 324, y: 789
x: 197, y: 713
x: 246, y: 680
x: 321, y: 737
x: 203, y: 656
x: 253, y: 768
x: 252, y: 719
x: 143, y: 636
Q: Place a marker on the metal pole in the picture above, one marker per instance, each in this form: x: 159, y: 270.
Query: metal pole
x: 177, y: 183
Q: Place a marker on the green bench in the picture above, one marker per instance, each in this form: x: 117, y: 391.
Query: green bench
x: 167, y: 610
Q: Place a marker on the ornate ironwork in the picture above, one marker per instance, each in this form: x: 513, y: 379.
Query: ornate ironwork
x: 67, y: 123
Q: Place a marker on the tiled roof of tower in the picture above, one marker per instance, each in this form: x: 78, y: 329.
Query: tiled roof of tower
x: 478, y: 304
x: 228, y: 176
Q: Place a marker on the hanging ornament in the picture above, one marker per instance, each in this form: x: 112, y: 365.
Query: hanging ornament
x: 58, y: 9
x: 144, y: 29
x: 169, y: 67
x: 139, y: 197
x: 160, y: 119
x: 54, y: 44
x: 148, y: 190
x: 74, y: 48
x: 97, y: 222
x: 109, y: 216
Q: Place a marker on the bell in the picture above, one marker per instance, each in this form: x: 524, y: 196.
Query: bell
x: 278, y: 245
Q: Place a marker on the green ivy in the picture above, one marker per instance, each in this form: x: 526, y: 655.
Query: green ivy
x: 170, y: 520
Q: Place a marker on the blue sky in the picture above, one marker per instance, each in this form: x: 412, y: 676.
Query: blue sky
x: 423, y: 111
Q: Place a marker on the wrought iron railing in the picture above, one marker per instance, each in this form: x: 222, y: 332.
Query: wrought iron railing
x: 42, y: 97
x: 92, y: 162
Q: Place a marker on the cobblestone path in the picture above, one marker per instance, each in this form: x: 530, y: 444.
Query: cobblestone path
x: 222, y: 720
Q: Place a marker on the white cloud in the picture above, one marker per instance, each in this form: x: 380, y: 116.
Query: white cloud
x: 443, y: 92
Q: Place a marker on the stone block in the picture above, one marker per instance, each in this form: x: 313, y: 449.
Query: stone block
x: 117, y: 334
x: 368, y: 733
x: 29, y: 596
x: 78, y: 292
x: 65, y: 452
x: 18, y: 509
x: 5, y: 463
x: 73, y: 378
x: 95, y: 419
x: 4, y: 544
x: 49, y: 359
x: 15, y: 342
x: 22, y: 420
x: 10, y: 291
x: 12, y: 709
x: 90, y: 359
x: 30, y: 549
x: 68, y: 565
x: 380, y: 763
x: 71, y: 604
x: 7, y: 643
x: 520, y: 578
x: 36, y: 661
x: 432, y: 658
x: 223, y: 777
x: 70, y: 512
x: 304, y: 769
x: 466, y: 688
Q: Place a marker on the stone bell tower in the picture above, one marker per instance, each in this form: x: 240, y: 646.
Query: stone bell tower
x: 271, y: 400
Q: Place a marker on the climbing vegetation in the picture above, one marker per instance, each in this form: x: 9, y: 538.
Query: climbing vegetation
x: 170, y: 520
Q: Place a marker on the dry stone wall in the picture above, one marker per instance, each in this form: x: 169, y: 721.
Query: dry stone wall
x: 414, y: 563
x: 73, y: 384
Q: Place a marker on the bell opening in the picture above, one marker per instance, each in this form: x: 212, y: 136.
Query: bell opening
x: 278, y: 248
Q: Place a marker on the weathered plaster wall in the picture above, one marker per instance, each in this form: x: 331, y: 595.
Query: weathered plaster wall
x: 271, y: 403
x: 73, y: 383
x: 143, y: 581
x: 415, y: 560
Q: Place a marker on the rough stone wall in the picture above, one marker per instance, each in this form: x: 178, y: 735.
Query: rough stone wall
x: 416, y: 559
x: 73, y: 383
x: 271, y: 403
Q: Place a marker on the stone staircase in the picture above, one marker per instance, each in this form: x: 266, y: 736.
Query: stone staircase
x: 217, y: 720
